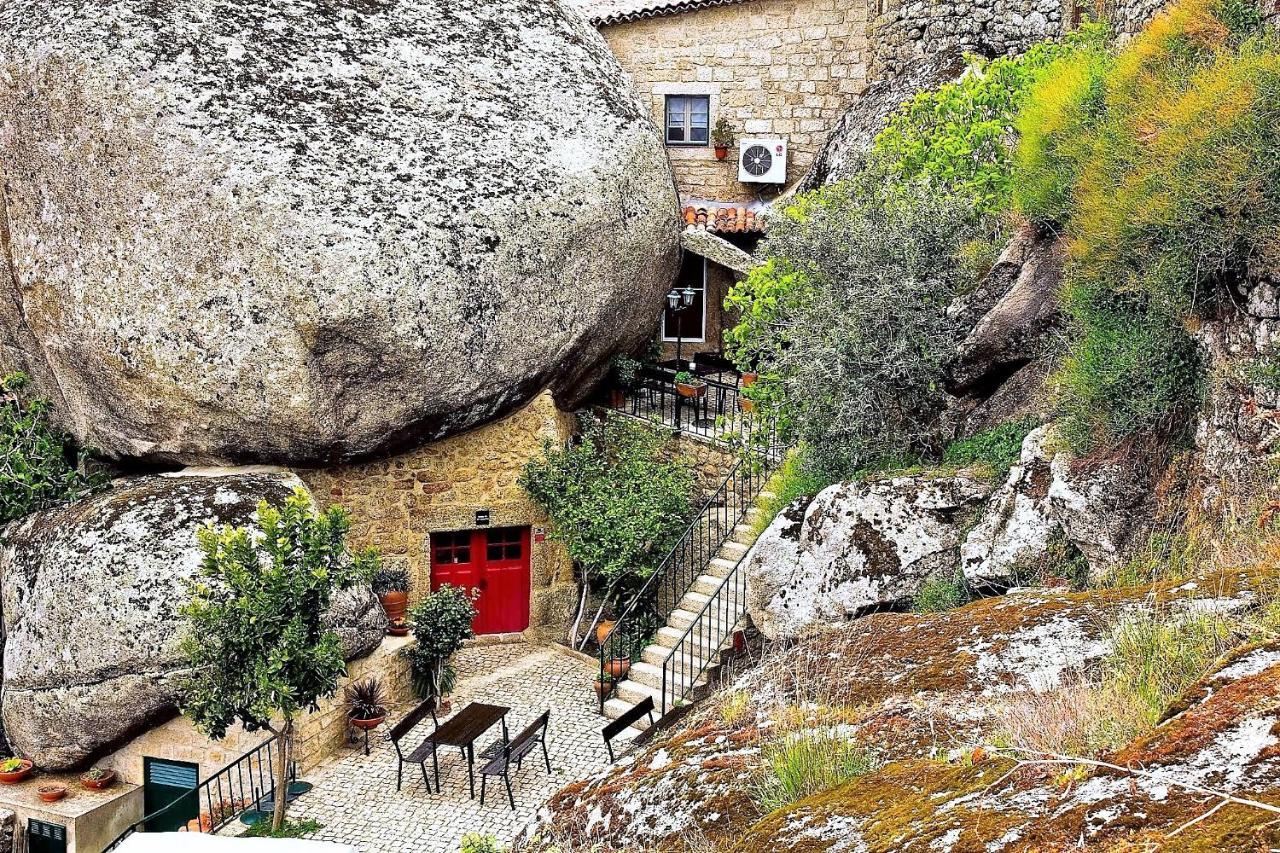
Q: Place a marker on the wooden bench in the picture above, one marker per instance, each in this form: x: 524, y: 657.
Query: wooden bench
x: 422, y: 751
x: 619, y: 725
x: 515, y: 751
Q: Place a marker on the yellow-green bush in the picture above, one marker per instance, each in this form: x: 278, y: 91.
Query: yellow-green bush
x: 1162, y: 163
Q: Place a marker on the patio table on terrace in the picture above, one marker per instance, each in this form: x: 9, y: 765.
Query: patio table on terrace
x: 465, y: 728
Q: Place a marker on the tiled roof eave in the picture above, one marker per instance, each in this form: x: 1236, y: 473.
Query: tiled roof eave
x: 659, y: 10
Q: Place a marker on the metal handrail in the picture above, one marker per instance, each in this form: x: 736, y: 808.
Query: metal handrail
x: 229, y: 780
x: 709, y: 642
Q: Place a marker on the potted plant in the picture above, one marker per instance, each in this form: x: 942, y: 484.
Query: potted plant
x: 604, y: 686
x: 441, y: 622
x: 392, y: 588
x: 14, y: 770
x: 618, y: 667
x: 626, y: 371
x: 749, y: 378
x: 722, y: 138
x: 97, y: 778
x: 366, y: 703
x: 51, y: 792
x: 688, y: 385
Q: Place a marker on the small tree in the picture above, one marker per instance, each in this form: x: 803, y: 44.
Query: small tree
x: 257, y: 641
x: 441, y: 621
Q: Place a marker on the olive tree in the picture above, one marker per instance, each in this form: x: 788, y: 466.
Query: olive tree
x: 257, y: 640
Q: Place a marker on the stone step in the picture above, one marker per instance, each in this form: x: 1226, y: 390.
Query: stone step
x: 693, y: 601
x: 744, y: 534
x: 684, y: 618
x: 615, y: 708
x: 669, y: 636
x: 679, y: 675
x: 733, y: 551
x: 766, y: 495
x: 709, y: 584
x: 656, y: 654
x: 631, y: 692
x: 720, y: 567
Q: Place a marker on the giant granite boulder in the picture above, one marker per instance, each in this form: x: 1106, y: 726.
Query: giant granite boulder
x: 305, y: 232
x: 91, y: 593
x: 856, y: 546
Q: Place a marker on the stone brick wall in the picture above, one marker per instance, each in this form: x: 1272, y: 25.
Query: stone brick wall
x: 397, y: 503
x: 771, y: 67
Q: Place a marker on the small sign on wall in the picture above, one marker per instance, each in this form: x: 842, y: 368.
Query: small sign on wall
x: 482, y: 518
x: 539, y: 534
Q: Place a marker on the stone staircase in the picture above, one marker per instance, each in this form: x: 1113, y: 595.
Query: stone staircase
x: 698, y: 661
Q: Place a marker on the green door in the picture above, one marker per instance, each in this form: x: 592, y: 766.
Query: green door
x: 46, y: 837
x: 165, y: 783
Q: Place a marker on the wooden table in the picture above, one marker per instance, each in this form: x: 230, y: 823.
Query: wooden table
x: 464, y: 728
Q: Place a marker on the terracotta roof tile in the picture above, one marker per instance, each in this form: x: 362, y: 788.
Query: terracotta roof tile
x: 725, y: 219
x: 605, y: 12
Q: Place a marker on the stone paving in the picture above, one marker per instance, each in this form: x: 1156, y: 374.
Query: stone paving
x: 355, y: 797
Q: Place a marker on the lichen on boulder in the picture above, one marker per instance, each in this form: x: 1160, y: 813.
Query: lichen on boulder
x: 856, y: 546
x: 304, y: 233
x: 91, y: 593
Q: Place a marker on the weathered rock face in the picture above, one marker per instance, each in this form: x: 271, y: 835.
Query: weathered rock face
x: 855, y: 546
x: 310, y: 232
x: 90, y: 595
x: 1100, y: 510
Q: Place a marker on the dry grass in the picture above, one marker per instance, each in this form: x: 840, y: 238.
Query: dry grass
x: 1083, y: 719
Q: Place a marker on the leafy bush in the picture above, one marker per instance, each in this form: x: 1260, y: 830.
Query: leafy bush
x: 846, y: 320
x: 390, y: 580
x: 791, y: 481
x: 941, y: 592
x: 474, y: 842
x: 800, y: 765
x: 290, y: 829
x: 996, y: 449
x: 615, y: 500
x: 957, y: 137
x: 1162, y: 161
x: 39, y: 466
x: 441, y: 621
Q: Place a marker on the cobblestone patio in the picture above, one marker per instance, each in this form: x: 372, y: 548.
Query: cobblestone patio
x: 355, y: 796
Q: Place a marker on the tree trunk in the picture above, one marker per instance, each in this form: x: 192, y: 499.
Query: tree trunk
x: 577, y: 619
x: 284, y: 751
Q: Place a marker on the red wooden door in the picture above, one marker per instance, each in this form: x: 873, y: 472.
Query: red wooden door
x: 495, y: 562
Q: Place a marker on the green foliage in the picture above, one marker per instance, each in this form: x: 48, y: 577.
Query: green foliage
x: 1157, y: 655
x: 996, y: 450
x: 1162, y: 162
x: 441, y: 622
x: 1062, y: 563
x: 846, y: 320
x: 614, y: 499
x: 800, y: 765
x: 290, y: 829
x: 390, y: 580
x: 941, y: 592
x: 626, y: 371
x: 956, y: 137
x: 1264, y: 371
x: 475, y: 842
x: 365, y: 699
x: 257, y: 642
x: 794, y: 479
x: 39, y: 467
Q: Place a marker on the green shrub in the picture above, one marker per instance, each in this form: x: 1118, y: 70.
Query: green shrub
x: 846, y: 321
x: 996, y: 450
x: 1162, y: 162
x: 290, y: 829
x: 441, y: 622
x: 800, y: 765
x: 793, y: 480
x: 475, y: 842
x: 956, y: 137
x: 941, y: 592
x: 39, y: 466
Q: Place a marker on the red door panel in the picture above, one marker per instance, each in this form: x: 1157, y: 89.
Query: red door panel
x: 495, y: 562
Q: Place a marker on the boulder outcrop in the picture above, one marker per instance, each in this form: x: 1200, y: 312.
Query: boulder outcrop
x: 91, y: 593
x: 856, y: 546
x: 304, y: 233
x: 1099, y: 510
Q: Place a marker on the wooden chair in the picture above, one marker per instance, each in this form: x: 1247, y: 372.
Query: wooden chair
x: 521, y: 745
x: 422, y: 751
x: 619, y: 725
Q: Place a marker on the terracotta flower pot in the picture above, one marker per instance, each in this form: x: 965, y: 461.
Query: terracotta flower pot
x: 749, y: 379
x: 444, y: 705
x: 617, y: 398
x: 722, y: 152
x: 106, y: 781
x: 746, y: 405
x: 603, y: 629
x: 51, y: 793
x: 604, y: 686
x: 691, y: 390
x: 15, y: 776
x: 395, y: 604
x: 618, y: 668
x: 366, y: 725
x: 401, y: 630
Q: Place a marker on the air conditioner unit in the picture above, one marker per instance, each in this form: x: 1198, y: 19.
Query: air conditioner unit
x: 762, y: 161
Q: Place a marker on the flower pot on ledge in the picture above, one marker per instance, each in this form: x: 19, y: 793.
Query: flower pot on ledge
x: 722, y: 152
x: 692, y: 391
x: 395, y: 605
x: 12, y: 777
x: 368, y: 725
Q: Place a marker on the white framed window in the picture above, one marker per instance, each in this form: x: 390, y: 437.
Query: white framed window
x: 688, y: 120
x: 689, y: 324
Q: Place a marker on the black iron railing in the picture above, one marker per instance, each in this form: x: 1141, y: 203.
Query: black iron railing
x: 247, y: 783
x: 700, y: 646
x: 685, y: 562
x: 715, y: 409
